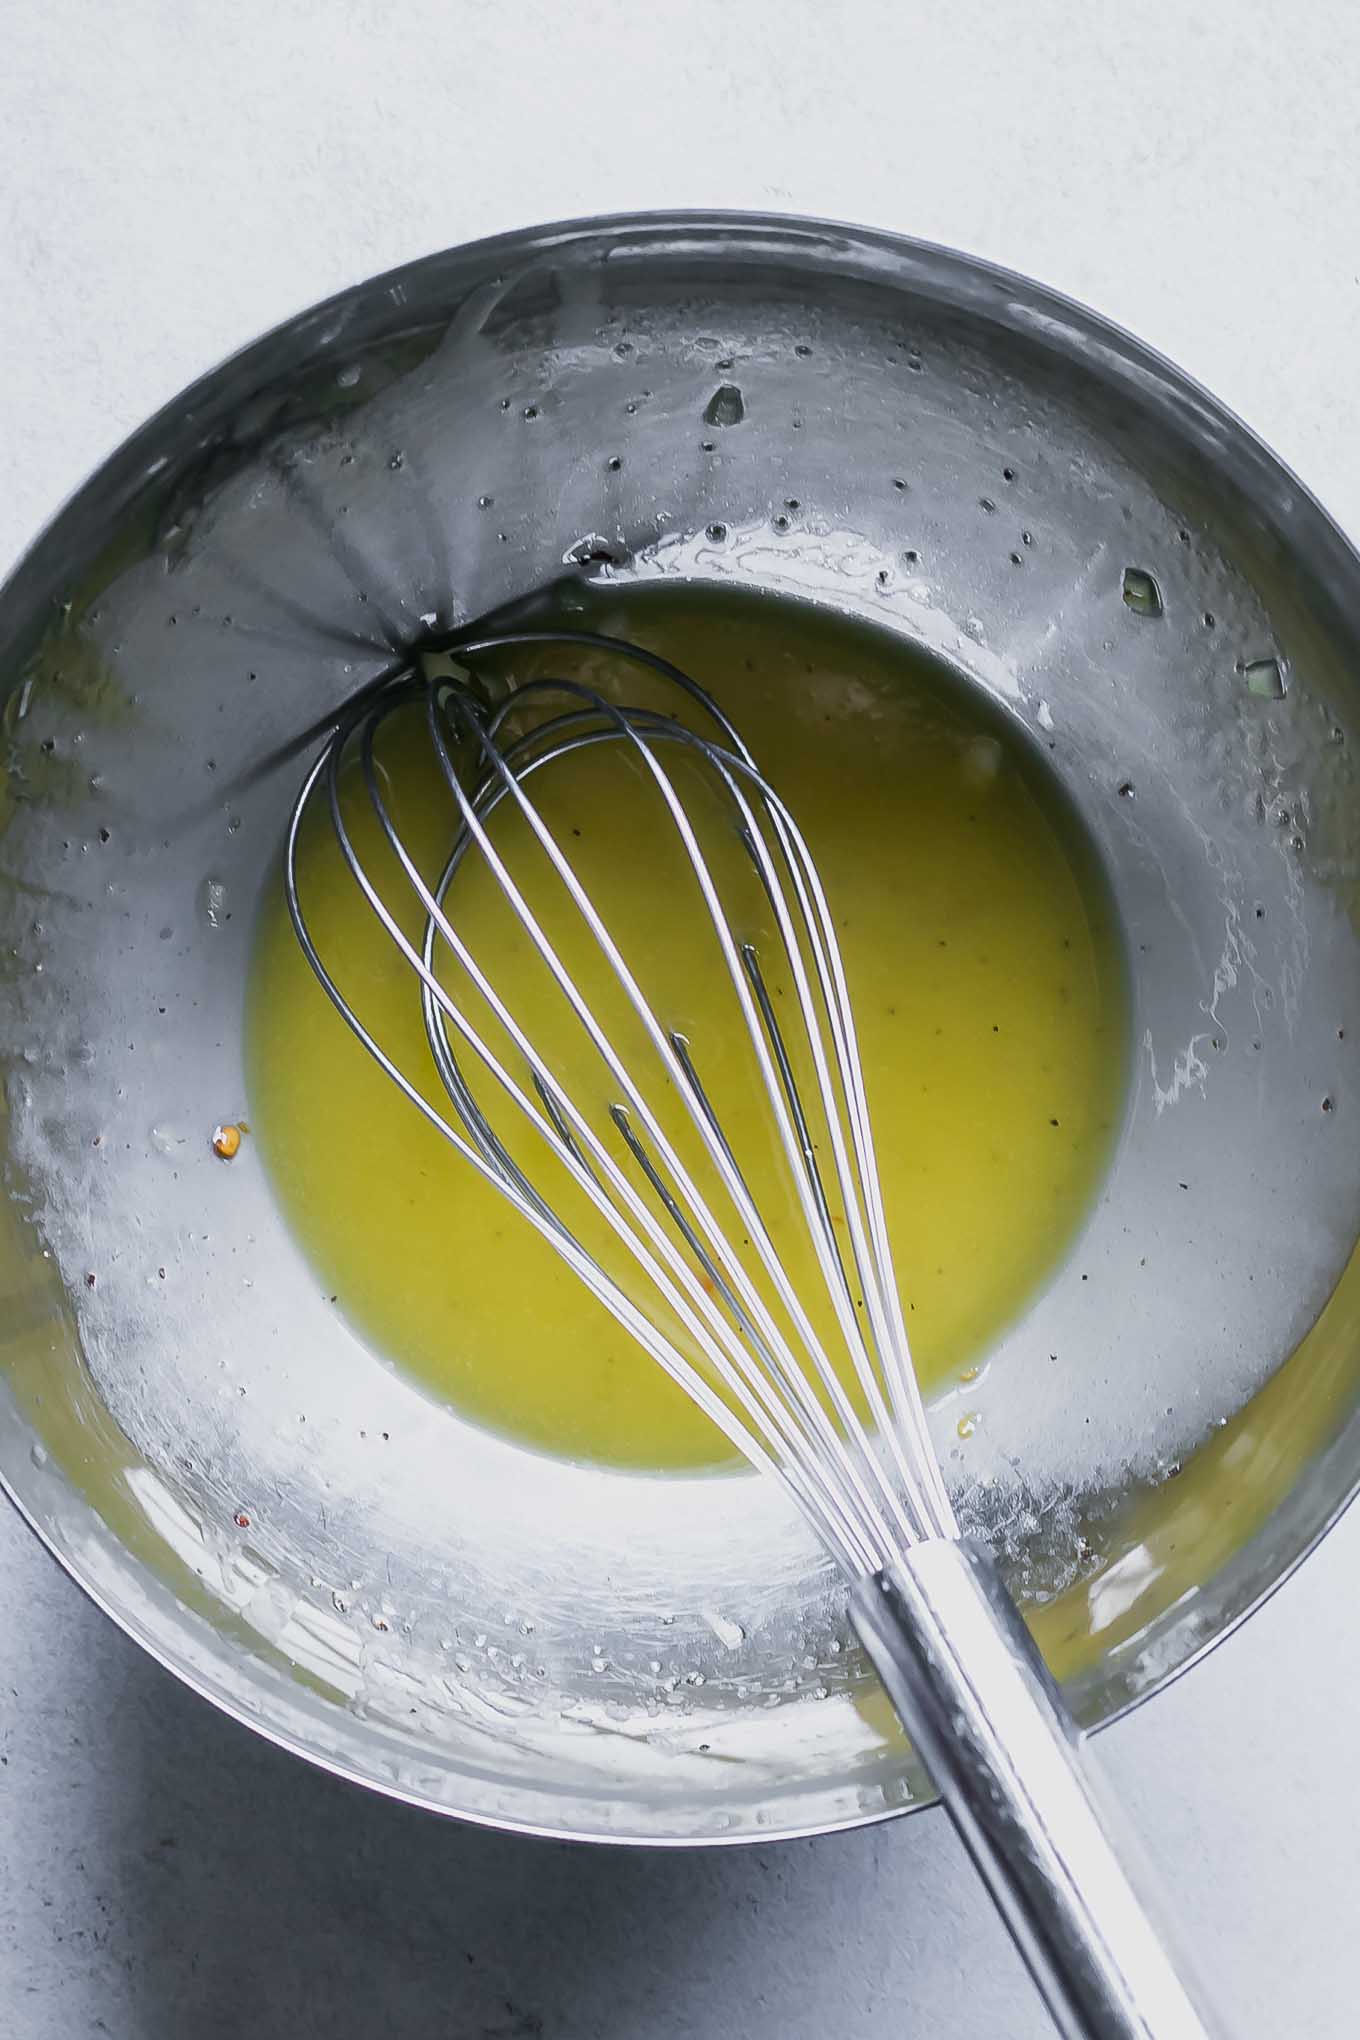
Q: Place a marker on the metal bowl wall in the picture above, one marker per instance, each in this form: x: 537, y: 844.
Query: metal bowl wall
x: 861, y: 421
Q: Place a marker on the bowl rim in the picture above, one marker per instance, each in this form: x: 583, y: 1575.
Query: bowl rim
x: 1297, y: 1523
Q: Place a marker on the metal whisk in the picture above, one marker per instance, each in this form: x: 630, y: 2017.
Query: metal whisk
x: 709, y: 1293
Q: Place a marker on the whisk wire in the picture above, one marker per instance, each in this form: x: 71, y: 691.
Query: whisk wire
x: 868, y: 1490
x: 794, y: 1377
x: 874, y: 1269
x: 533, y: 1209
x: 955, y: 1657
x: 733, y: 1364
x: 921, y: 1471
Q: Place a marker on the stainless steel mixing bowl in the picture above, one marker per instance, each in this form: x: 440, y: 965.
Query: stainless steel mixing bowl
x: 911, y: 437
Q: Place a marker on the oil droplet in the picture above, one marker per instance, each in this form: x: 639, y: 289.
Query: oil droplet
x: 967, y: 1425
x: 213, y: 899
x: 1141, y: 593
x: 725, y: 406
x: 1264, y: 678
x: 226, y: 1142
x: 730, y: 1634
x: 592, y: 550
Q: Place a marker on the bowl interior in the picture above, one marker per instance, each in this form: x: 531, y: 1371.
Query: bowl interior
x: 1081, y: 534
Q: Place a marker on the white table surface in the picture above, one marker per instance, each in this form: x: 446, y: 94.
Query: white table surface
x: 173, y: 179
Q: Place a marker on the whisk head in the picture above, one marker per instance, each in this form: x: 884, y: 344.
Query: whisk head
x: 601, y: 1123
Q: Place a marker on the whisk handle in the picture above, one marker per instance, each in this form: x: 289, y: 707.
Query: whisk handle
x: 1014, y: 1775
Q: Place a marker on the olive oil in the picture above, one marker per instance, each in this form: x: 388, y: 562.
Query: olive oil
x: 985, y: 972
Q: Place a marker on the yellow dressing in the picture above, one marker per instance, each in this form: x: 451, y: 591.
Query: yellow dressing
x: 984, y: 970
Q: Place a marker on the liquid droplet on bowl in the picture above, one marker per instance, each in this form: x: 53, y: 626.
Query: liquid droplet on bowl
x: 1265, y: 679
x: 592, y: 550
x: 213, y: 899
x: 1141, y: 593
x: 726, y: 406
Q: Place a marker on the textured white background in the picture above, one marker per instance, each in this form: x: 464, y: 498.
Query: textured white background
x: 174, y: 178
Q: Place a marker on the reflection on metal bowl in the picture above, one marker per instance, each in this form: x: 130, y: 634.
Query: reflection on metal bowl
x: 290, y: 1525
